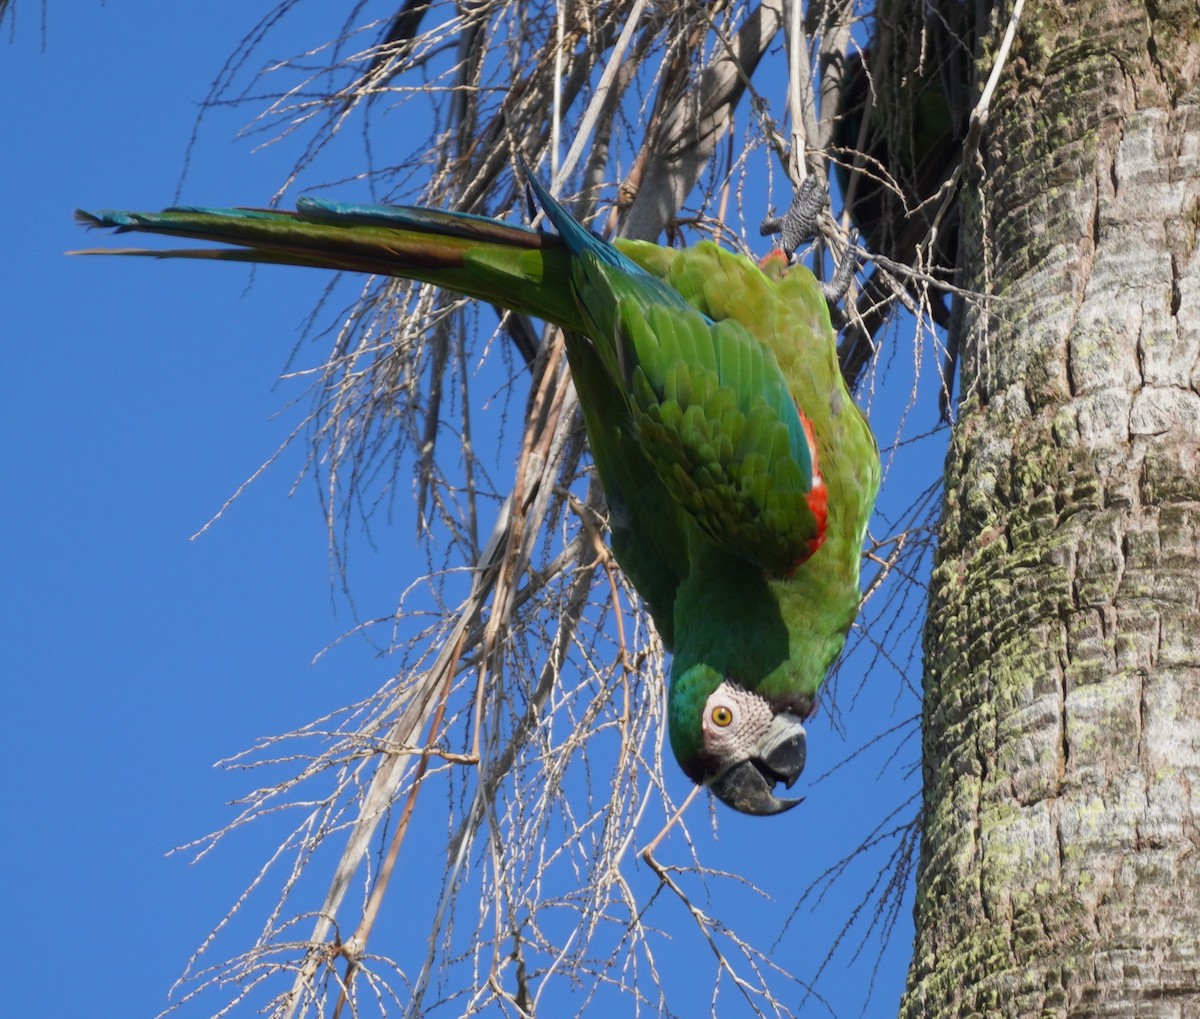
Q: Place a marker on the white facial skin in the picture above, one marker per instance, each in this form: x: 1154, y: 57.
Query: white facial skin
x: 735, y: 722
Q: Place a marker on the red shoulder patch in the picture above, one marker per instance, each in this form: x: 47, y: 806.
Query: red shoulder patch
x: 818, y: 495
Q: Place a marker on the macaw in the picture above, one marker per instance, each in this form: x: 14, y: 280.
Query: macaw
x: 738, y: 470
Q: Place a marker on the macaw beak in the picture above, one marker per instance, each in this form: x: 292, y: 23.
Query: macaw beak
x: 749, y: 786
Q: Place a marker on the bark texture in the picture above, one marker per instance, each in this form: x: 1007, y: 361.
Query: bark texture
x: 1060, y: 872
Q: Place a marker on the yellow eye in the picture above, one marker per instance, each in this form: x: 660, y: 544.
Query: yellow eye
x: 721, y: 716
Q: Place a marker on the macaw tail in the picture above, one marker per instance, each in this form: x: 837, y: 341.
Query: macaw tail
x: 511, y: 266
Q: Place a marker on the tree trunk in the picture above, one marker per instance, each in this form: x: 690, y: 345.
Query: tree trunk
x: 1060, y: 871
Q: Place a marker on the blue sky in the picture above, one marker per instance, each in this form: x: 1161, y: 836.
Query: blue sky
x: 136, y: 397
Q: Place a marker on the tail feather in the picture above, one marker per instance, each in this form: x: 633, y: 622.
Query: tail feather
x: 448, y: 224
x: 510, y: 266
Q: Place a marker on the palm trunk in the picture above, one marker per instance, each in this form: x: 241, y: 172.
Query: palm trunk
x: 1060, y: 871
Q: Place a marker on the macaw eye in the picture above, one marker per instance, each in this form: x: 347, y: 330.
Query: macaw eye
x: 721, y: 716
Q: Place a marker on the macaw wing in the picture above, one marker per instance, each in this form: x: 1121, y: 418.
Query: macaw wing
x: 713, y: 414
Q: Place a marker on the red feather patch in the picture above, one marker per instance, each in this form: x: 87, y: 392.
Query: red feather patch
x: 818, y: 495
x: 774, y: 261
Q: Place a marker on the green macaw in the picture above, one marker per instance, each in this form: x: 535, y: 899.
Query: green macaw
x: 739, y: 473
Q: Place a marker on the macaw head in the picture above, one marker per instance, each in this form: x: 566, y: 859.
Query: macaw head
x: 735, y: 741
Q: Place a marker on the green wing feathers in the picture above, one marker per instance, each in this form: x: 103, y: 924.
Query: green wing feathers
x: 785, y: 312
x: 715, y: 417
x: 713, y: 413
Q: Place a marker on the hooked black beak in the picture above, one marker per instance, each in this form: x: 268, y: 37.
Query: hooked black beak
x: 749, y: 786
